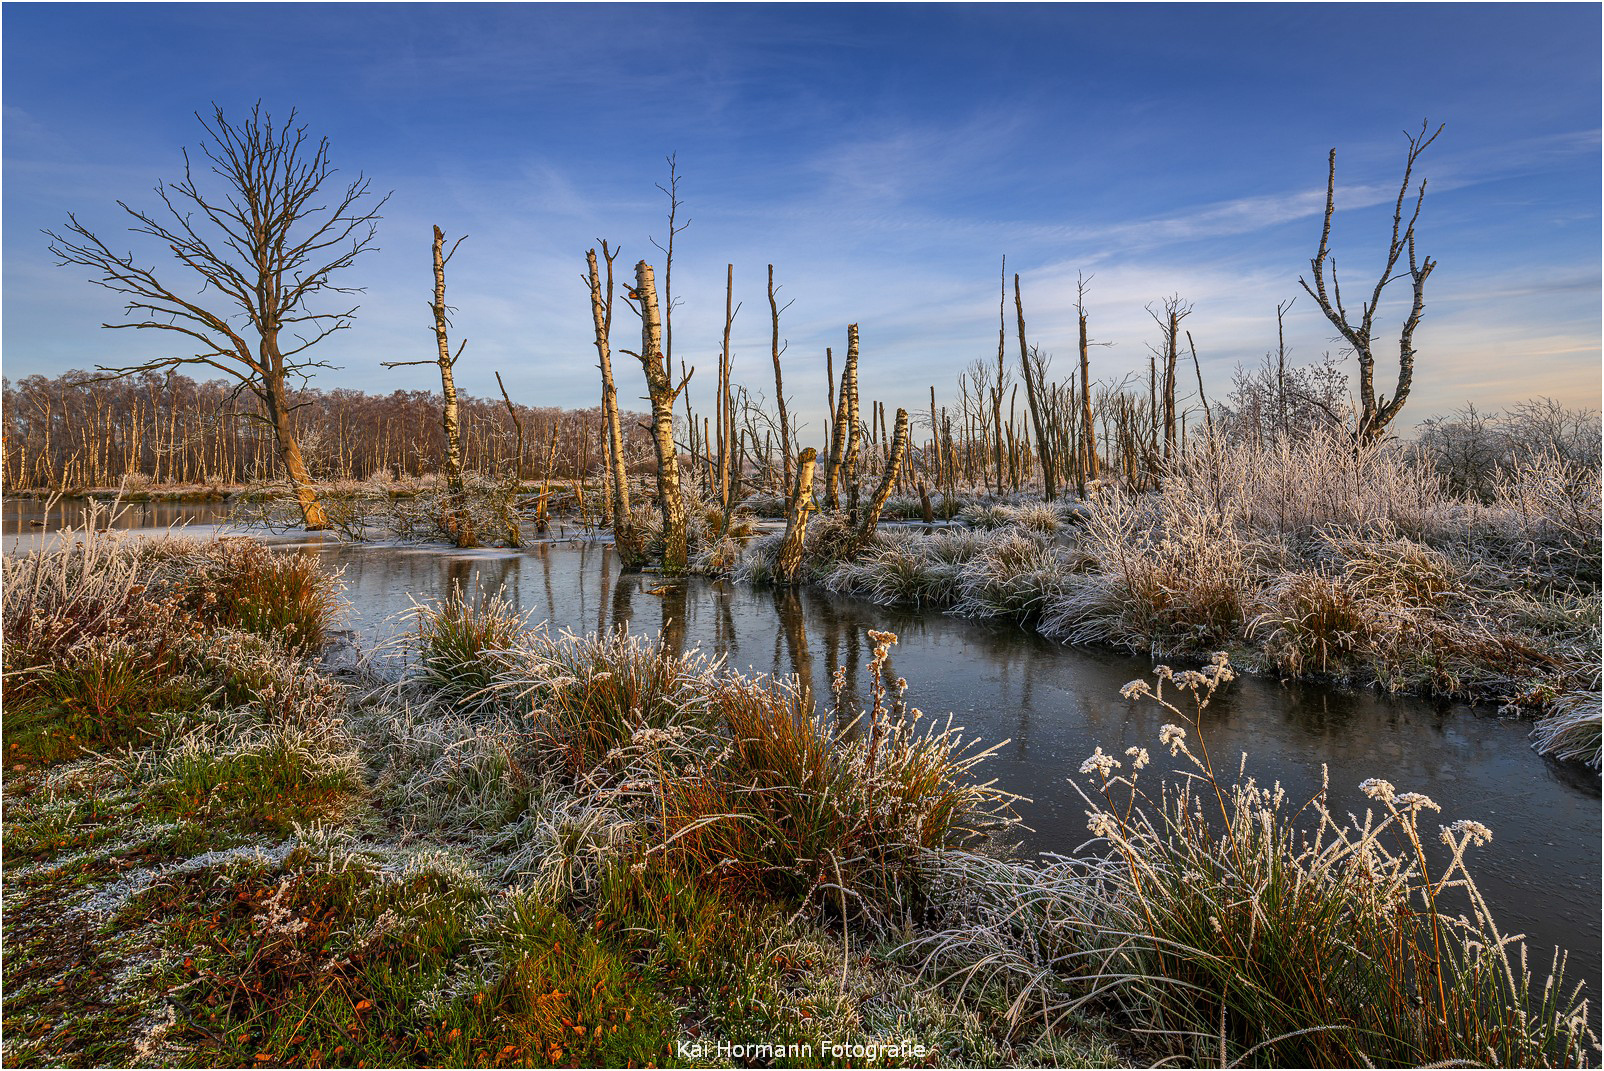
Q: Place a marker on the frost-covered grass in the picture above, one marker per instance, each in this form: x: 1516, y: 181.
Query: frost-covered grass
x: 508, y: 848
x: 512, y: 849
x: 1305, y: 558
x: 1238, y: 926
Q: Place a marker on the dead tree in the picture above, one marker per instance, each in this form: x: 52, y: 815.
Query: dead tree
x: 776, y: 350
x: 1169, y: 319
x: 871, y: 516
x: 727, y: 433
x: 674, y: 203
x: 1208, y: 415
x: 1376, y: 412
x: 1032, y: 389
x: 601, y: 310
x: 1002, y: 373
x: 838, y: 419
x: 518, y: 428
x: 267, y: 243
x: 788, y: 560
x: 455, y: 521
x: 849, y: 395
x: 661, y: 392
x: 1088, y: 467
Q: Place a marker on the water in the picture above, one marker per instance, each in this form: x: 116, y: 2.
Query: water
x: 1053, y: 705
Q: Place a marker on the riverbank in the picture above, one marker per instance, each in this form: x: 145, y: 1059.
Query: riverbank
x: 269, y: 836
x: 1313, y: 565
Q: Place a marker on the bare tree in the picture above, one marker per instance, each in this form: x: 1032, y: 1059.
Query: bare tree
x: 674, y: 203
x: 871, y: 516
x: 662, y: 393
x: 848, y: 400
x: 776, y: 350
x: 1169, y: 320
x: 601, y: 308
x: 456, y: 521
x: 268, y: 248
x: 1376, y: 412
x: 1032, y: 390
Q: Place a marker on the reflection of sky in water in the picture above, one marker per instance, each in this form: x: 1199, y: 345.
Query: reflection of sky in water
x: 1054, y: 704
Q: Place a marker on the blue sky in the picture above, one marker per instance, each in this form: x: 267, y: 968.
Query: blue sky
x: 883, y: 158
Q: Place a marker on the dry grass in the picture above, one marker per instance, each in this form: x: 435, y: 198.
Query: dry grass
x: 1236, y: 926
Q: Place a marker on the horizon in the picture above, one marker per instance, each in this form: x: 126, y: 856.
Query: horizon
x: 884, y: 159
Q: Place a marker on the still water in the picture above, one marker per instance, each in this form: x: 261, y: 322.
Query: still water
x: 1052, y: 704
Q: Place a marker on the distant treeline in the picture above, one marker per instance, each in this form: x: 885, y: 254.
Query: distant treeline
x: 75, y: 431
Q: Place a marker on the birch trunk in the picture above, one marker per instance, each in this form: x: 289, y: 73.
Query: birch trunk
x: 788, y: 560
x: 602, y: 313
x: 449, y: 420
x: 871, y: 517
x: 849, y: 394
x: 661, y: 393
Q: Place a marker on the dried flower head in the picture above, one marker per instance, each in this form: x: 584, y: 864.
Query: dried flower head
x: 1478, y: 833
x: 1377, y: 789
x: 1417, y: 801
x: 1100, y: 764
x: 1172, y: 736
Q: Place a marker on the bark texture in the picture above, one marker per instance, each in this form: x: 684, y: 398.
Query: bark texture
x: 788, y: 561
x: 661, y: 393
x: 871, y: 516
x: 601, y: 309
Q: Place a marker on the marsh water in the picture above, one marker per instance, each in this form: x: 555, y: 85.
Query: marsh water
x: 1052, y: 704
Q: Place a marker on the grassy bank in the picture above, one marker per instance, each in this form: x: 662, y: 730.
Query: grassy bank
x: 509, y: 849
x: 513, y: 850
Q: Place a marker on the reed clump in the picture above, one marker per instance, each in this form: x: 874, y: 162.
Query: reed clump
x: 841, y: 814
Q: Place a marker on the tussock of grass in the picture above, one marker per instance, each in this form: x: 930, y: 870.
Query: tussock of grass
x: 1242, y: 927
x: 285, y: 597
x: 462, y: 646
x: 1571, y: 727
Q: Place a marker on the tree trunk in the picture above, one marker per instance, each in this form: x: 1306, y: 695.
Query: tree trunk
x: 849, y: 393
x: 1088, y: 469
x: 1049, y: 490
x: 838, y: 409
x: 661, y: 393
x: 788, y: 560
x: 289, y: 452
x: 871, y: 516
x: 1171, y: 342
x: 629, y: 552
x: 728, y: 435
x: 449, y: 420
x: 779, y: 386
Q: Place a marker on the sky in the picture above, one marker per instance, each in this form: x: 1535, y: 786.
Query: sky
x: 884, y: 158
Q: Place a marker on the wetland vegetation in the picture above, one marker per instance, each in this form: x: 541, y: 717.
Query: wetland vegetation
x: 226, y: 845
x: 228, y: 840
